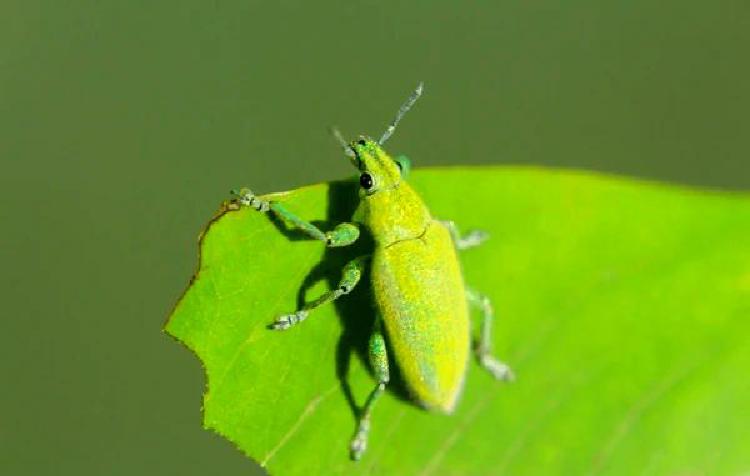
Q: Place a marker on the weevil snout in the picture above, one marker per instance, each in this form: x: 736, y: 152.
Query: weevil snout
x: 363, y: 148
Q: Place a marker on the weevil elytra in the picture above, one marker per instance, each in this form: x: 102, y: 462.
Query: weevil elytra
x: 421, y: 301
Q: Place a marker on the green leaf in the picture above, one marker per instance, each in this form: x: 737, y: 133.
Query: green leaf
x: 624, y: 308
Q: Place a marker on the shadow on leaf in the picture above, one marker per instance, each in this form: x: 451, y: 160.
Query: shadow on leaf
x: 356, y: 309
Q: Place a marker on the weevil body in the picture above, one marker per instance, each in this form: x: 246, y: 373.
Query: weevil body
x: 421, y: 301
x: 417, y: 284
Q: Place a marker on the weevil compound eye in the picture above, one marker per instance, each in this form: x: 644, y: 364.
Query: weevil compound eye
x: 365, y: 180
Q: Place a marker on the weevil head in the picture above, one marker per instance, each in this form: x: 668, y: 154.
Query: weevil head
x: 379, y: 172
x: 388, y: 206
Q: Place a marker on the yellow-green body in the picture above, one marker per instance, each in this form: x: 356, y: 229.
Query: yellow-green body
x: 417, y: 285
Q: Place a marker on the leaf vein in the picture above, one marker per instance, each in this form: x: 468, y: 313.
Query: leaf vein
x: 635, y: 412
x: 448, y: 443
x: 310, y: 408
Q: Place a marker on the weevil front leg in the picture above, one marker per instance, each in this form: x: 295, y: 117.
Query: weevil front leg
x: 379, y: 363
x: 342, y: 235
x: 500, y: 370
x: 350, y: 276
x: 469, y: 240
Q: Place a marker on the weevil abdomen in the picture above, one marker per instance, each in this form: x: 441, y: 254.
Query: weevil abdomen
x: 420, y: 296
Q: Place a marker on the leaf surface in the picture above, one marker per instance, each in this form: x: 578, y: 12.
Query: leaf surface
x: 623, y: 307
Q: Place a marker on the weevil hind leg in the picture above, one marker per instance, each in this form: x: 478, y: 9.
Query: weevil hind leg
x: 483, y: 349
x: 469, y: 240
x: 350, y: 276
x: 379, y: 363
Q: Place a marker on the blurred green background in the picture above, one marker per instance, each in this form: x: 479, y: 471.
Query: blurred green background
x: 124, y: 124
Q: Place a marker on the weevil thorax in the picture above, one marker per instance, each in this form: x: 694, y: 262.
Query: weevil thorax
x: 388, y: 207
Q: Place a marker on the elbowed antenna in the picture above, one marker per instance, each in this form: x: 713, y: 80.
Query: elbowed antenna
x: 342, y: 142
x: 401, y: 111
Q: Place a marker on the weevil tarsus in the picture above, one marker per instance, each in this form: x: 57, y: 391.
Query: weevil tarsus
x: 483, y: 349
x: 469, y: 240
x: 247, y: 198
x: 350, y: 276
x: 379, y: 362
x: 343, y: 234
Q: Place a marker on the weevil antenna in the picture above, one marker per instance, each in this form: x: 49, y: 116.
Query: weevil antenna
x: 401, y: 111
x: 342, y: 142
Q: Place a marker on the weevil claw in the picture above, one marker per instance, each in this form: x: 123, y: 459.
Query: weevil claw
x: 358, y: 446
x: 288, y: 320
x: 474, y: 238
x: 359, y: 443
x: 499, y: 370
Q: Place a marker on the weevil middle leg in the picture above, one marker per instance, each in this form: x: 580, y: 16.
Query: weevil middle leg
x: 379, y: 363
x: 350, y: 276
x: 500, y: 370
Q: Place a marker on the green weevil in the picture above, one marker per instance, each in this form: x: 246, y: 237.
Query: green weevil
x: 422, y: 304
